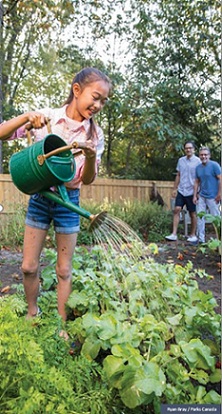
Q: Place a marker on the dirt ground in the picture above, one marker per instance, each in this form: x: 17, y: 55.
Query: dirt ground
x: 179, y: 252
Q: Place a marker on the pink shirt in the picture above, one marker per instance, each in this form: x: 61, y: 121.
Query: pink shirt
x: 69, y: 130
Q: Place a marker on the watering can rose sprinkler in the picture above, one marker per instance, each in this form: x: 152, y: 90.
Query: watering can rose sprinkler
x: 50, y: 163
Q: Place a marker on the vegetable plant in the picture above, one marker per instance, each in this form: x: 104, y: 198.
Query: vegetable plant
x: 143, y: 334
x: 213, y: 244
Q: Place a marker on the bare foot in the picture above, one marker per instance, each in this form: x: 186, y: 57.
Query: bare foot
x: 63, y: 334
x: 34, y: 315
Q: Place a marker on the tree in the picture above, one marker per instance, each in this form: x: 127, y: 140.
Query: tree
x: 167, y: 94
x: 177, y: 59
x: 170, y: 91
x: 27, y: 27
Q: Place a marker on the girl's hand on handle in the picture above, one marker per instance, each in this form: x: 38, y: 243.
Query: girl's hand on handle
x: 28, y: 119
x: 89, y: 150
x: 36, y: 120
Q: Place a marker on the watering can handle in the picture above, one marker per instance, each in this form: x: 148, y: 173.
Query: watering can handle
x: 41, y: 158
x: 28, y: 128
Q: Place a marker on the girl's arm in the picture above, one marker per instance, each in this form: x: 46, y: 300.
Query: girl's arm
x: 92, y: 158
x: 90, y: 167
x: 36, y: 119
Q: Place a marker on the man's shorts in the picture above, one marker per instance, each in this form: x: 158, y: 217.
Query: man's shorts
x: 42, y: 211
x: 185, y: 201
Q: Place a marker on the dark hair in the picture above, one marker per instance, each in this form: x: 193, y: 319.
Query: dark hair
x: 84, y: 78
x: 189, y: 142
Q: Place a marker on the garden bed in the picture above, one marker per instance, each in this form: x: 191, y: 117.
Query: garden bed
x: 179, y: 252
x: 141, y: 333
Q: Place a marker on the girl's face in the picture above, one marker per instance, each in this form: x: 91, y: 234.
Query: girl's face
x: 90, y: 100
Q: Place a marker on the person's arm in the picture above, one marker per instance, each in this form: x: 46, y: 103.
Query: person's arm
x: 218, y: 196
x: 90, y: 166
x: 195, y: 190
x: 93, y: 158
x: 176, y: 183
x: 36, y: 119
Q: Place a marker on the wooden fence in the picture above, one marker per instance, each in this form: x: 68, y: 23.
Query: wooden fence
x: 103, y: 189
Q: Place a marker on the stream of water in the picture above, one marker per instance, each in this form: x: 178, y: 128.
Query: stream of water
x: 115, y: 236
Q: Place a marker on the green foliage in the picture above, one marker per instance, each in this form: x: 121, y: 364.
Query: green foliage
x: 12, y: 227
x: 214, y: 244
x: 37, y: 373
x: 153, y: 332
x: 48, y: 274
x: 163, y: 60
x: 149, y: 220
x: 148, y: 336
x: 27, y: 27
x: 215, y: 220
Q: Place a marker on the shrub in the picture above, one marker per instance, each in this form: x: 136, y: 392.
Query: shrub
x: 149, y: 220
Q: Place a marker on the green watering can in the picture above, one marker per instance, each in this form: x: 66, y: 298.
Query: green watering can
x: 49, y: 163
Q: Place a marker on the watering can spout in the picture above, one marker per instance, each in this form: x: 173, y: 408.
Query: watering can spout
x: 97, y: 220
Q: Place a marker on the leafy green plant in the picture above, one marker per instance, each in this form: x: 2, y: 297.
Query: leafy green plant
x: 149, y: 220
x: 149, y: 325
x: 48, y: 274
x: 12, y: 227
x: 213, y: 244
x: 147, y: 336
x: 37, y: 373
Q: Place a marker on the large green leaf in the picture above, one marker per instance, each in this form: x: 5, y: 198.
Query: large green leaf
x: 215, y: 376
x: 139, y: 386
x: 107, y: 327
x: 91, y: 347
x: 174, y: 320
x: 197, y: 354
x: 114, y: 368
x: 212, y: 397
x: 125, y: 351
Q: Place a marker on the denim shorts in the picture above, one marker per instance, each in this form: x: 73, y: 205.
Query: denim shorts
x: 42, y: 211
x: 185, y: 200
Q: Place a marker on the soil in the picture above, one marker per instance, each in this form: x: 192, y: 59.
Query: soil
x: 179, y: 252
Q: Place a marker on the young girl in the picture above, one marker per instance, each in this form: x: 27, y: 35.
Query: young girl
x: 72, y: 122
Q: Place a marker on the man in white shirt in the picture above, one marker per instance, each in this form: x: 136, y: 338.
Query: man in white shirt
x: 183, y: 191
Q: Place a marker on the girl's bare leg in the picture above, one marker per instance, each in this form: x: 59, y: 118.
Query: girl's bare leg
x: 33, y: 243
x: 66, y: 244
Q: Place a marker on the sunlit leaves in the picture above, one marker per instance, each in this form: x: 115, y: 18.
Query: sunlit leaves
x: 168, y: 52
